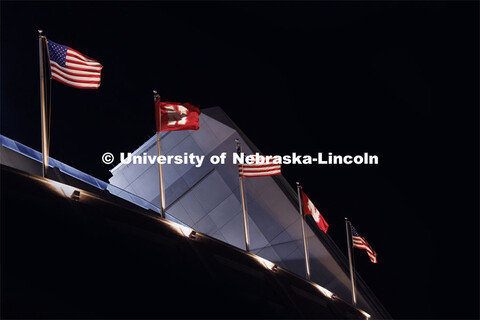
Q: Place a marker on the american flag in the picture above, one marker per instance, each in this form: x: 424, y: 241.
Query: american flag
x: 360, y: 243
x: 72, y: 68
x: 258, y: 170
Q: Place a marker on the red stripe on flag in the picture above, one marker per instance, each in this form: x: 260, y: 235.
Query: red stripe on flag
x: 258, y: 170
x: 75, y: 73
x: 361, y: 243
x: 78, y: 86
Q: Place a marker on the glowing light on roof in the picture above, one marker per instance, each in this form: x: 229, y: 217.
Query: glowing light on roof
x: 60, y: 188
x: 324, y: 291
x: 367, y: 316
x: 266, y: 263
x: 184, y: 230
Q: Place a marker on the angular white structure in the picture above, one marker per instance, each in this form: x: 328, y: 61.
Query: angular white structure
x: 208, y: 200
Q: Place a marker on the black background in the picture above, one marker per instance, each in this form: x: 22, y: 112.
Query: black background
x: 399, y: 80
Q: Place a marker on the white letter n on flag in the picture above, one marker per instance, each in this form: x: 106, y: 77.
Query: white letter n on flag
x: 177, y: 115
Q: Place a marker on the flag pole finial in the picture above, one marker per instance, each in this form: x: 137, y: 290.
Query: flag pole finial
x: 237, y: 143
x: 40, y: 31
x: 156, y: 96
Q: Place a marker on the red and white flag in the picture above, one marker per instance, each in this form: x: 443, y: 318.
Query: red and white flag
x: 176, y: 116
x: 309, y: 209
x: 361, y: 243
x: 259, y: 168
x: 72, y: 68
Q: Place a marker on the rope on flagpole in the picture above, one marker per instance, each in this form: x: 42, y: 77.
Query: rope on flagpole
x: 156, y: 98
x: 43, y: 119
x: 348, y: 227
x: 305, y: 244
x: 49, y: 98
x: 244, y: 204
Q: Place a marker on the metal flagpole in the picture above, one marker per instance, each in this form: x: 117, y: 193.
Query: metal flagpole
x: 156, y: 97
x: 351, y: 262
x: 305, y: 244
x: 244, y: 204
x: 41, y: 41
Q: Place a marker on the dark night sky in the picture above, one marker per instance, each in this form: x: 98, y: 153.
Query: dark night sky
x: 399, y: 80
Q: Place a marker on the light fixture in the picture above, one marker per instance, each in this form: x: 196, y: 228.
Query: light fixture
x: 324, y: 291
x: 186, y: 231
x: 75, y: 195
x: 266, y: 263
x: 62, y: 189
x: 367, y: 316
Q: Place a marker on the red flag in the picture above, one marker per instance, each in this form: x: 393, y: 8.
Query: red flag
x: 176, y: 116
x: 309, y: 209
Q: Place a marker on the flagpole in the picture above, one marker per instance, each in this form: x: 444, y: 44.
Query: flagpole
x: 41, y: 40
x: 156, y: 97
x: 351, y: 262
x: 305, y: 244
x: 244, y: 209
